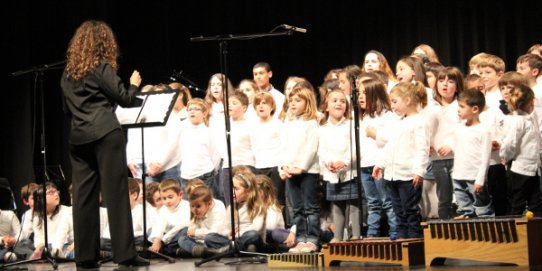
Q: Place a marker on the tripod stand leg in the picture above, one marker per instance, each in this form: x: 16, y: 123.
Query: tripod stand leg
x: 43, y: 258
x: 145, y: 252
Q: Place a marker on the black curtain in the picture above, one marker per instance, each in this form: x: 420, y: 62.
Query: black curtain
x: 154, y: 38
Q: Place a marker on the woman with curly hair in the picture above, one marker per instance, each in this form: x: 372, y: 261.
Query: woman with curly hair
x: 91, y: 89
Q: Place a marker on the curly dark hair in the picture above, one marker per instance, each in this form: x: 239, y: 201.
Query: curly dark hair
x: 92, y: 43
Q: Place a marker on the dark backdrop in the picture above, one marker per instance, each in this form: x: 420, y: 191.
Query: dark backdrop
x: 154, y: 37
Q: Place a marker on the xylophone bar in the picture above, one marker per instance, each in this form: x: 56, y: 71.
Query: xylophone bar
x: 408, y: 252
x: 504, y: 240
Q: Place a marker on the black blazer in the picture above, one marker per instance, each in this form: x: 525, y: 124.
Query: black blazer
x: 90, y: 103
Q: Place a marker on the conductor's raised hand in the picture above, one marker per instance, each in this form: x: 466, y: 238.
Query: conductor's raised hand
x: 135, y: 79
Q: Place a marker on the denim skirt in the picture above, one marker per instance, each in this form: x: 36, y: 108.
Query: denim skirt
x: 346, y: 190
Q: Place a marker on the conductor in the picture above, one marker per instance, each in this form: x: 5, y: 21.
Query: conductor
x: 91, y: 89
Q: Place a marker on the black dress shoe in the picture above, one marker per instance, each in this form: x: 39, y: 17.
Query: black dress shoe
x: 136, y: 261
x: 87, y: 264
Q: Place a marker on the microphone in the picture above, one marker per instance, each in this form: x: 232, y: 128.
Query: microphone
x: 178, y: 75
x: 294, y: 28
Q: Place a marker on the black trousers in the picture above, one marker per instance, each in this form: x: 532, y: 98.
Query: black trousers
x: 100, y: 166
x: 524, y: 193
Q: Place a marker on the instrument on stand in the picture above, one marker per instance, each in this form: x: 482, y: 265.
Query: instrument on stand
x: 514, y: 240
x: 406, y: 252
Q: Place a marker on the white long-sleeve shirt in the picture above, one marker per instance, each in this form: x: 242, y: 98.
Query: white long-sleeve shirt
x: 407, y: 152
x: 274, y: 219
x: 241, y: 145
x: 170, y: 222
x: 443, y: 132
x: 9, y: 224
x: 64, y: 232
x: 200, y: 153
x: 265, y: 140
x: 52, y: 225
x: 521, y: 144
x: 335, y: 144
x: 27, y: 225
x: 243, y: 222
x: 371, y: 149
x: 162, y: 144
x: 495, y: 119
x: 299, y: 140
x: 472, y: 148
x: 137, y: 222
x: 213, y: 222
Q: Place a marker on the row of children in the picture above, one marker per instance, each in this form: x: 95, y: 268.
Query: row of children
x: 292, y: 145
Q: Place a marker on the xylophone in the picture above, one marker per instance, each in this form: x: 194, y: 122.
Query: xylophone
x: 406, y: 252
x: 513, y: 240
x: 289, y: 260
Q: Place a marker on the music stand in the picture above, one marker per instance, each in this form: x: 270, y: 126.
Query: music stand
x: 154, y: 111
x: 39, y: 72
x: 223, y: 44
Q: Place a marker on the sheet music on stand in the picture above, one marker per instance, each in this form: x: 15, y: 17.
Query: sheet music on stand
x: 154, y: 111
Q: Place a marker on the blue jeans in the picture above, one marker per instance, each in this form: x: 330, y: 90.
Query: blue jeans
x: 469, y: 203
x: 211, y: 180
x: 406, y: 199
x: 215, y: 240
x: 303, y: 195
x: 171, y: 173
x: 377, y: 200
x: 442, y: 170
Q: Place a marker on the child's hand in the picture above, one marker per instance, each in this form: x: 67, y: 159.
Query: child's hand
x: 336, y: 166
x: 156, y: 245
x: 191, y: 232
x: 431, y: 150
x: 331, y: 227
x: 154, y: 169
x: 377, y: 173
x: 495, y: 146
x: 417, y: 181
x: 443, y: 151
x: 70, y: 248
x: 8, y: 241
x: 478, y: 188
x: 290, y: 241
x: 370, y: 131
x: 133, y: 169
x: 285, y: 173
x: 295, y: 171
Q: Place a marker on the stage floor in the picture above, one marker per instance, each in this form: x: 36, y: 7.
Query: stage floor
x: 188, y: 265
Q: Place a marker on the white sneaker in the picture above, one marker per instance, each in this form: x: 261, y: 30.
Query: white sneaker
x: 10, y: 257
x: 309, y: 248
x: 297, y: 248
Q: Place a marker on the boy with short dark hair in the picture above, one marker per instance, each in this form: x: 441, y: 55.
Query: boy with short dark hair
x: 172, y: 217
x: 472, y: 148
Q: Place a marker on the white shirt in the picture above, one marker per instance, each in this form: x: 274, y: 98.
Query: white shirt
x: 299, y: 140
x: 443, y: 132
x: 265, y: 140
x: 27, y: 225
x: 64, y: 233
x: 407, y: 152
x: 161, y: 144
x: 213, y: 222
x: 493, y: 98
x: 494, y: 119
x: 472, y: 147
x: 200, y: 150
x: 521, y: 144
x: 274, y: 219
x: 335, y: 145
x: 241, y: 146
x: 52, y: 225
x: 279, y: 101
x: 170, y: 222
x: 9, y: 224
x: 242, y: 221
x: 371, y: 149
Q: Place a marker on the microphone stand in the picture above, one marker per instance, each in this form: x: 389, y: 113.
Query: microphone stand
x: 39, y: 73
x: 223, y: 51
x: 355, y: 107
